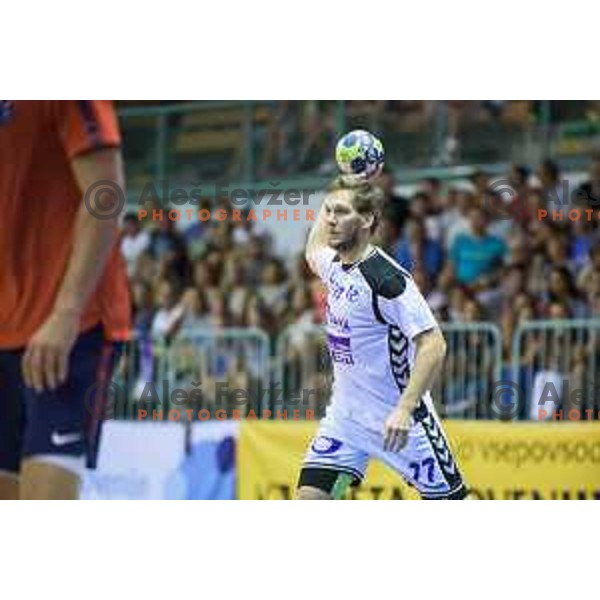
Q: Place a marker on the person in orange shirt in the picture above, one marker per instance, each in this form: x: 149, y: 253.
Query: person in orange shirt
x: 64, y: 299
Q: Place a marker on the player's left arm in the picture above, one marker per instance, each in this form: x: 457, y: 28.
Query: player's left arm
x: 409, y: 311
x: 430, y: 351
x: 45, y: 361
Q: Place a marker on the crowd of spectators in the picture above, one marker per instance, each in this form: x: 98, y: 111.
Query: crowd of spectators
x: 508, y: 251
x: 210, y: 277
x: 488, y: 251
x: 213, y: 275
x: 476, y: 254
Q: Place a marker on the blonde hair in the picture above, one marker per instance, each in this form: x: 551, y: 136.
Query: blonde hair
x: 367, y: 198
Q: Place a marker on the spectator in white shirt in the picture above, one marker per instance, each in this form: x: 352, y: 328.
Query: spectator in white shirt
x: 457, y: 221
x: 170, y: 313
x: 134, y: 242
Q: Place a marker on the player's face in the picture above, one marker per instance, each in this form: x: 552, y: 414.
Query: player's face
x: 344, y: 223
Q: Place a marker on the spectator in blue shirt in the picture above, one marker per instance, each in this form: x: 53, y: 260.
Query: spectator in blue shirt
x: 583, y: 236
x: 476, y: 256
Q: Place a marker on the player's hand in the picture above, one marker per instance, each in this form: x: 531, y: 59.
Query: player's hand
x: 46, y: 358
x: 396, y: 429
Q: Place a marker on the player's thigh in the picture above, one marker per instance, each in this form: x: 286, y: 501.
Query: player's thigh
x: 50, y: 478
x: 427, y: 462
x: 332, y: 463
x: 63, y: 425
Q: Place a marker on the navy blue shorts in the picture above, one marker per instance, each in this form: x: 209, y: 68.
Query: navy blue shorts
x: 66, y: 421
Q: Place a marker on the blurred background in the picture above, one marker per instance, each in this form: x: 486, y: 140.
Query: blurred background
x: 233, y: 304
x: 444, y: 159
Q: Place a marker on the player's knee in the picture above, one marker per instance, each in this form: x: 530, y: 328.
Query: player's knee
x: 311, y: 493
x: 45, y: 480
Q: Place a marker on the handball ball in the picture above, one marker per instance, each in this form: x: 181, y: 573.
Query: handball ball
x: 359, y: 153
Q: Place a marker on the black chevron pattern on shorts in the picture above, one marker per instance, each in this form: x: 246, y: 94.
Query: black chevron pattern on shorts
x: 398, y: 349
x: 439, y: 445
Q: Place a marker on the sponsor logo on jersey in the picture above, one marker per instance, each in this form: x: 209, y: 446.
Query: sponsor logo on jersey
x: 325, y: 445
x: 339, y: 322
x: 340, y: 349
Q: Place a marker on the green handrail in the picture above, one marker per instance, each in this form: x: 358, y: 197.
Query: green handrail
x: 160, y: 154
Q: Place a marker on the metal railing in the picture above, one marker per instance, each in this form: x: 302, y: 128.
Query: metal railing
x: 473, y: 364
x: 302, y: 368
x: 463, y: 390
x: 230, y: 367
x: 554, y: 371
x: 226, y: 369
x: 138, y: 378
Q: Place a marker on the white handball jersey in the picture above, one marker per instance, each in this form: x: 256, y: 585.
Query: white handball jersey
x: 374, y: 312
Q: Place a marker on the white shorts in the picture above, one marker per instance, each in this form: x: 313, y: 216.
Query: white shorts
x: 426, y: 462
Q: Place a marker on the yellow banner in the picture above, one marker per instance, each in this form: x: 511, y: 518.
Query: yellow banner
x: 500, y: 461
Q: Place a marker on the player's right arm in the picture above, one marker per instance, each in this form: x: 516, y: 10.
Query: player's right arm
x: 90, y: 139
x: 317, y: 252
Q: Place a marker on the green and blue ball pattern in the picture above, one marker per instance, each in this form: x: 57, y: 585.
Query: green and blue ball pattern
x: 360, y: 153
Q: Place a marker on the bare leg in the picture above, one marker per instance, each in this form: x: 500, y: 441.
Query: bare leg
x: 311, y: 493
x: 43, y: 481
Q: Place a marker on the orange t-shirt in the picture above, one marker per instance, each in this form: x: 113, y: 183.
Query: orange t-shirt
x: 39, y: 200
